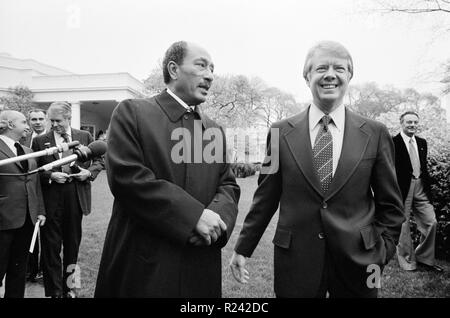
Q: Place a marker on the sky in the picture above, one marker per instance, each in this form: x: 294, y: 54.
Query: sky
x: 264, y: 38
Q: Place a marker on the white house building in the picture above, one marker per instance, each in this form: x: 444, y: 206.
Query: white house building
x: 93, y: 96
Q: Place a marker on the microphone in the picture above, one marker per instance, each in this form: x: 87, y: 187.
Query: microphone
x: 46, y: 152
x: 82, y: 153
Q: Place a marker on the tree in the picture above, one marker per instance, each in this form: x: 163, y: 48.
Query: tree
x: 277, y: 105
x: 416, y: 6
x: 370, y: 101
x: 446, y: 78
x: 19, y: 98
x: 154, y: 83
x: 433, y: 125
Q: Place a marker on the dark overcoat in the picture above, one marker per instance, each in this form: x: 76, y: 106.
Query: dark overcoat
x: 158, y: 201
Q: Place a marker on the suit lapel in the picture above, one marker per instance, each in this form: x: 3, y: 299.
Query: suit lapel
x: 50, y: 138
x: 299, y: 144
x: 403, y: 152
x: 354, y: 146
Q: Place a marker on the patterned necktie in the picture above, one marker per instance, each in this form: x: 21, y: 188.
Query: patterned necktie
x: 66, y: 168
x: 323, y: 154
x: 21, y: 152
x: 414, y: 159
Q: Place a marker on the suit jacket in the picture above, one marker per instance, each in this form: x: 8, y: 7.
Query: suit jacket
x: 157, y: 204
x: 83, y: 188
x: 358, y: 228
x: 404, y: 168
x: 19, y: 195
x: 26, y: 141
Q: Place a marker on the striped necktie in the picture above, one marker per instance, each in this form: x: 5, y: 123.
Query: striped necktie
x: 323, y: 154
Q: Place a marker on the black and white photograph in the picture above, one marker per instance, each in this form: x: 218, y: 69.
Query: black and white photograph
x: 225, y: 154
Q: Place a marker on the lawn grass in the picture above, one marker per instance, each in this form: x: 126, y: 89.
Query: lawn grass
x: 395, y: 283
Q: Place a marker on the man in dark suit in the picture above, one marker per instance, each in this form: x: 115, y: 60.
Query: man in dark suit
x: 21, y: 204
x: 37, y: 120
x: 334, y: 180
x: 414, y: 182
x: 171, y: 215
x: 67, y: 197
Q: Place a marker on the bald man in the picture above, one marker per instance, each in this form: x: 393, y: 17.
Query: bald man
x: 21, y: 203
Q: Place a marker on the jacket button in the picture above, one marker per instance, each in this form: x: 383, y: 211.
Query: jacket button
x: 324, y: 205
x: 321, y: 236
x: 186, y: 117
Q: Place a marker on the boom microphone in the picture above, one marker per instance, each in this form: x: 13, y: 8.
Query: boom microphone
x: 46, y: 152
x: 83, y: 153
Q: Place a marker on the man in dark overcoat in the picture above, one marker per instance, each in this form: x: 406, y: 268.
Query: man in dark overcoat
x: 175, y: 196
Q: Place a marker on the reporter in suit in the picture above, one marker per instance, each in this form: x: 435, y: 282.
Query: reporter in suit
x: 170, y: 218
x: 67, y: 197
x: 340, y: 208
x: 21, y: 204
x: 37, y: 120
x: 414, y: 182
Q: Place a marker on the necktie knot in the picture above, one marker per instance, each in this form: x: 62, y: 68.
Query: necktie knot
x: 326, y: 121
x: 65, y: 136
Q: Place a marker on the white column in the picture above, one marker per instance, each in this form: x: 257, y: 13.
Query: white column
x: 76, y: 114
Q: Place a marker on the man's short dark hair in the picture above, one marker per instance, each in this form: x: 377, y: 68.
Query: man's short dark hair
x: 36, y: 110
x: 176, y: 53
x: 409, y: 112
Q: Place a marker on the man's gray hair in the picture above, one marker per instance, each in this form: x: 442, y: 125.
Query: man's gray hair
x: 63, y: 108
x: 330, y: 47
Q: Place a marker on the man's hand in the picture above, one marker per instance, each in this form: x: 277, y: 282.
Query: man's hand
x: 82, y: 175
x: 210, y: 226
x: 197, y: 240
x: 59, y: 177
x: 237, y: 266
x: 41, y: 218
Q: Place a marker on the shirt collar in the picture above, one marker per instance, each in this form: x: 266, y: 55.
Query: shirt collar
x: 337, y: 115
x: 179, y: 100
x: 68, y: 132
x: 9, y: 142
x: 35, y: 134
x: 406, y: 138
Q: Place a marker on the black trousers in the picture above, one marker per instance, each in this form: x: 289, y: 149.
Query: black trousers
x: 335, y: 285
x: 14, y: 245
x: 33, y: 259
x: 61, y: 230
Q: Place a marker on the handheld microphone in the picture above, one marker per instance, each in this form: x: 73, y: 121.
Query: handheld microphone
x: 82, y: 153
x: 46, y: 152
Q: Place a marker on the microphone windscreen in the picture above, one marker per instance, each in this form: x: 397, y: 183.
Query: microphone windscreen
x: 98, y: 148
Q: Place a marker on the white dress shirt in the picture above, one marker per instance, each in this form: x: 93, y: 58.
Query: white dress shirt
x: 179, y: 100
x: 10, y: 143
x: 336, y: 128
x: 406, y: 140
x: 59, y: 139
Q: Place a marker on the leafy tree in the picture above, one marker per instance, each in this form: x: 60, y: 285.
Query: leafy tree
x: 370, y: 101
x: 154, y: 83
x: 19, y: 98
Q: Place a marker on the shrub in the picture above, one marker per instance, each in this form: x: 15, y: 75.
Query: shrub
x: 439, y: 169
x: 243, y: 170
